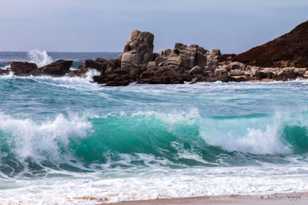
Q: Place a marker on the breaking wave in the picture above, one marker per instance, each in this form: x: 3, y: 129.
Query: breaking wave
x: 79, y: 143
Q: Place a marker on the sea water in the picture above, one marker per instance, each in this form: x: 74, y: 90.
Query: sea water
x: 70, y: 141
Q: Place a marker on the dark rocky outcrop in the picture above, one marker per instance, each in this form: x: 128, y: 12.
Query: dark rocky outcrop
x: 99, y: 64
x: 113, y: 74
x: 4, y: 72
x: 289, y: 50
x: 23, y: 68
x: 57, y: 68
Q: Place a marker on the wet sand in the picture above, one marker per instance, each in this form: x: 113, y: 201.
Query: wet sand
x: 276, y: 199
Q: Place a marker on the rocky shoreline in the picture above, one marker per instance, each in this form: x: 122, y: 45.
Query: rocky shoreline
x: 285, y: 58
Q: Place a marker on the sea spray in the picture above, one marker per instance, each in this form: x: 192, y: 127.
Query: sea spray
x: 40, y: 58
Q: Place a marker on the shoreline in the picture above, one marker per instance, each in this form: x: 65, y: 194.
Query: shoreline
x: 270, y: 199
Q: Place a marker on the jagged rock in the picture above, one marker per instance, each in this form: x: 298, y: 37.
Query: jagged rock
x: 176, y: 66
x: 23, y: 68
x: 187, y: 61
x: 191, y: 55
x: 172, y: 59
x: 290, y: 49
x: 286, y: 74
x: 57, y: 68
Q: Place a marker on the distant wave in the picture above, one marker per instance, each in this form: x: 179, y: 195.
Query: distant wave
x: 43, y: 56
x: 85, y: 81
x: 39, y: 57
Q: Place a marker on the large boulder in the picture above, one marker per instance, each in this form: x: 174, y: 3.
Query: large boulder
x: 57, y: 68
x: 289, y: 50
x: 138, y: 50
x: 23, y: 68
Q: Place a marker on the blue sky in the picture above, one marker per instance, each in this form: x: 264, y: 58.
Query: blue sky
x: 104, y: 25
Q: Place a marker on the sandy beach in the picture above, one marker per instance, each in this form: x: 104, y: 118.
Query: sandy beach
x: 275, y: 199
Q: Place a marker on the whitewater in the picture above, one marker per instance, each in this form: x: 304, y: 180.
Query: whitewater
x: 70, y: 141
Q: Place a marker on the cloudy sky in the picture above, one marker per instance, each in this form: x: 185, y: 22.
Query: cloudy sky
x: 104, y: 25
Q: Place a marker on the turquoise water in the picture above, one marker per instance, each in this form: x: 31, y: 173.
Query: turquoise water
x: 68, y: 132
x: 73, y: 125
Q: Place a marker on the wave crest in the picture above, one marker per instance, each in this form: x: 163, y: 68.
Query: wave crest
x: 30, y: 139
x: 152, y: 139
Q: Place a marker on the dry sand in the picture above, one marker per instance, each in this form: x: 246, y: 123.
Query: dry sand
x: 276, y: 199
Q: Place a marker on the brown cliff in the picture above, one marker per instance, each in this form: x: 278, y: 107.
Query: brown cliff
x: 288, y: 50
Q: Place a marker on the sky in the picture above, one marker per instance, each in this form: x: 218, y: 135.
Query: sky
x: 104, y: 25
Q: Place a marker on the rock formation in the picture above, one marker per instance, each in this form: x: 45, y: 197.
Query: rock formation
x: 23, y: 68
x: 138, y: 50
x: 285, y: 58
x: 57, y: 68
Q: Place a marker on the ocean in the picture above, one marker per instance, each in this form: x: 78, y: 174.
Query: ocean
x: 70, y: 141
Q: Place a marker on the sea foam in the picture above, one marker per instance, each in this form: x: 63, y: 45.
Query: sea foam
x: 38, y: 140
